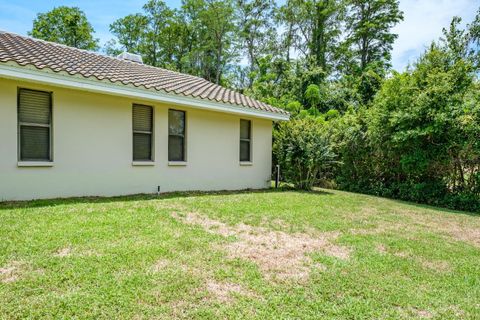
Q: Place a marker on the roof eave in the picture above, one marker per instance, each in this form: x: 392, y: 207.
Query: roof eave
x: 24, y: 73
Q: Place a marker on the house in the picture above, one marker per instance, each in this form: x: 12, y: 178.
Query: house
x: 78, y: 123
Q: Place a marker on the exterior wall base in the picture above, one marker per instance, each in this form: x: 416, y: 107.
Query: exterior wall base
x: 92, y: 150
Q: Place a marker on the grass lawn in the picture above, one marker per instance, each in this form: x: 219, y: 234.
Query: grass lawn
x: 270, y: 254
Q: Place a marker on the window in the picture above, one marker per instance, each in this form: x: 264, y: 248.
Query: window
x: 245, y: 140
x: 142, y: 133
x: 34, y: 125
x: 176, y: 135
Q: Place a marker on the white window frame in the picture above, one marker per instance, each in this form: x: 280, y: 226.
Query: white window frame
x: 250, y: 142
x: 151, y: 161
x: 35, y: 162
x: 182, y: 162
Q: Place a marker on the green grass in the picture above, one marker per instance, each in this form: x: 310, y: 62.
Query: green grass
x: 133, y: 257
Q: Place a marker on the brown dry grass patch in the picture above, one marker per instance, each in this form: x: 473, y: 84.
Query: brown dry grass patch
x: 278, y: 254
x: 458, y: 226
x: 9, y: 274
x: 381, y: 248
x: 437, y: 265
x: 416, y: 313
x: 63, y: 252
x: 160, y: 265
x: 434, y: 265
x: 453, y: 226
x: 224, y: 291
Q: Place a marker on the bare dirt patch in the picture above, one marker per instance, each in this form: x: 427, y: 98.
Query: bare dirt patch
x: 423, y: 314
x: 457, y: 226
x: 163, y: 264
x: 279, y: 255
x: 77, y: 252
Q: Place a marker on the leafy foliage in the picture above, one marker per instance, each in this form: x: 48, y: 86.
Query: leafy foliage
x: 303, y: 152
x: 65, y: 25
x: 130, y: 32
x: 256, y: 33
x: 419, y: 141
x: 370, y: 37
x: 413, y: 135
x: 197, y: 39
x: 314, y: 30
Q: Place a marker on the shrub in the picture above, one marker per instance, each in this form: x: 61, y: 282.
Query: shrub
x: 303, y: 152
x: 418, y: 139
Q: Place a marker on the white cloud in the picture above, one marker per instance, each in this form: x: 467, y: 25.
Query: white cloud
x: 423, y: 23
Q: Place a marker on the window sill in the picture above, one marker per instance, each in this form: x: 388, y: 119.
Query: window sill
x: 246, y: 163
x: 143, y: 163
x: 177, y: 163
x: 34, y: 164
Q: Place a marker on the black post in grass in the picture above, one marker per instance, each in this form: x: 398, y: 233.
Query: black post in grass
x: 277, y: 176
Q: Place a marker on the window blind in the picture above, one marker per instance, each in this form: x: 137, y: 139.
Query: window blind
x: 34, y: 125
x: 245, y: 140
x: 176, y: 135
x: 142, y: 132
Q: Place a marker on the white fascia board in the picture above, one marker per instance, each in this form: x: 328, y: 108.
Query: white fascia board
x: 32, y: 74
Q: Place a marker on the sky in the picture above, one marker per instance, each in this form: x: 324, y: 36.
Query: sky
x: 423, y: 19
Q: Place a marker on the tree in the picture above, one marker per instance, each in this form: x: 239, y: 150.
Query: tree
x: 368, y: 29
x: 199, y: 38
x: 456, y: 41
x: 257, y: 35
x: 165, y: 36
x: 130, y: 32
x: 159, y: 34
x: 278, y: 82
x: 313, y: 95
x: 65, y: 25
x: 474, y: 35
x: 313, y: 28
x: 215, y: 36
x: 365, y: 53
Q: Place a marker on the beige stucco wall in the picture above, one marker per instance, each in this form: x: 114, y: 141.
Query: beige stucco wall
x: 92, y: 149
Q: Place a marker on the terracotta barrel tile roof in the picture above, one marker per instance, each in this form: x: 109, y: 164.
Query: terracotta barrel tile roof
x: 42, y: 54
